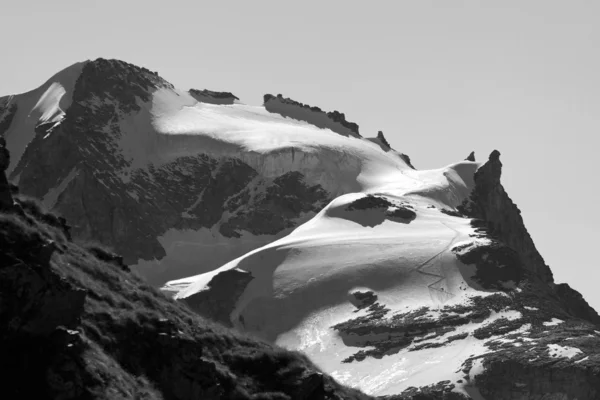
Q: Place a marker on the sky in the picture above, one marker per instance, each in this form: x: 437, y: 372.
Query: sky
x: 439, y: 78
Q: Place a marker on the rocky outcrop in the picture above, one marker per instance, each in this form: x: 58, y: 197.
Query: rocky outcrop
x: 396, y: 211
x: 575, y: 304
x: 490, y: 203
x: 335, y: 120
x: 497, y: 266
x: 471, y: 157
x: 221, y: 295
x: 382, y: 139
x: 501, y: 219
x: 6, y: 200
x: 208, y: 96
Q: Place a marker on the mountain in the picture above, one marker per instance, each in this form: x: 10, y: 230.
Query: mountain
x: 76, y: 324
x: 285, y: 222
x: 437, y: 287
x: 169, y: 177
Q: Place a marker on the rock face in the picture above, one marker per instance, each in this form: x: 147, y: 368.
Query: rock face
x: 490, y: 203
x: 382, y: 138
x: 6, y: 201
x: 208, y: 96
x: 335, y: 120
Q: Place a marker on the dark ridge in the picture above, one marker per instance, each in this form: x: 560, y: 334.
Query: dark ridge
x: 119, y: 65
x: 209, y: 96
x: 7, y: 113
x: 471, y: 157
x: 490, y: 202
x: 490, y: 205
x: 382, y: 139
x: 406, y: 159
x: 334, y: 116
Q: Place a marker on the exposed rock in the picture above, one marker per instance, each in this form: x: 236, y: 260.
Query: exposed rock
x: 399, y: 212
x: 529, y: 373
x: 406, y: 159
x: 335, y: 120
x: 223, y: 293
x: 6, y: 200
x: 500, y: 218
x: 575, y: 304
x: 208, y: 96
x: 362, y: 299
x: 489, y: 202
x: 497, y: 266
x: 382, y: 139
x: 369, y: 202
x: 273, y: 209
x: 471, y: 157
x: 453, y: 213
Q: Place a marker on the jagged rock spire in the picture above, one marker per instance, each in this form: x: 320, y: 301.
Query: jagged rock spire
x: 471, y: 157
x: 382, y: 139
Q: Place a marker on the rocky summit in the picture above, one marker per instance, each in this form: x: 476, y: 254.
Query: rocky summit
x: 271, y: 227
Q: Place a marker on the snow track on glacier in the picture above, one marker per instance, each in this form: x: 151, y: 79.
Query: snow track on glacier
x: 442, y: 294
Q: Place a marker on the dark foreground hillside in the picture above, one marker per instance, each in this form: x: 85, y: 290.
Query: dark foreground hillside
x: 73, y: 326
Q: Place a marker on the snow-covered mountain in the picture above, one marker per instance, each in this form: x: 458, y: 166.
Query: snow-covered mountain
x: 284, y: 221
x: 176, y: 181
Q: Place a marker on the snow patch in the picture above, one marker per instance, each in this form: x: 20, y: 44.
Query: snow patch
x: 553, y: 322
x: 559, y: 351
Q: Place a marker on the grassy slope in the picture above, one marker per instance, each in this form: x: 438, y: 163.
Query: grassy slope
x: 137, y: 343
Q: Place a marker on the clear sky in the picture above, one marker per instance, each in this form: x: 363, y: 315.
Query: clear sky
x: 440, y: 78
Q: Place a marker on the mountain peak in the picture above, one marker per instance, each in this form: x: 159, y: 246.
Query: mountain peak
x: 117, y: 65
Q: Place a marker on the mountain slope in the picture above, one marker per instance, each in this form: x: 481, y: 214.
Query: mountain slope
x: 285, y: 222
x: 165, y: 178
x: 75, y: 324
x: 395, y: 288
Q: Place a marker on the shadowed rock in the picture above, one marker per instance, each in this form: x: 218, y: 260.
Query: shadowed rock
x: 208, y: 96
x: 489, y: 202
x: 335, y: 120
x: 6, y: 200
x: 471, y: 157
x: 220, y: 298
x: 382, y: 139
